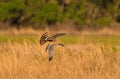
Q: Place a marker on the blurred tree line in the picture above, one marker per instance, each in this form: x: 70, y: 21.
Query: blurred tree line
x: 38, y: 13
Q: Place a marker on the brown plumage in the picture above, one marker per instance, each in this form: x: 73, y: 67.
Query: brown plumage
x: 45, y: 38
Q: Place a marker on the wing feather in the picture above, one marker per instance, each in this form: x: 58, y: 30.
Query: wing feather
x: 51, y: 52
x: 43, y: 37
x: 50, y: 49
x: 57, y: 35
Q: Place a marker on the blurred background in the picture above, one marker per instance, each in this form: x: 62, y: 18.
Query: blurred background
x: 77, y: 14
x: 20, y: 19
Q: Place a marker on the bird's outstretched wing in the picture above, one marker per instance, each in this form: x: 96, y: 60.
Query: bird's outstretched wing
x: 43, y: 37
x: 57, y: 35
x: 50, y: 49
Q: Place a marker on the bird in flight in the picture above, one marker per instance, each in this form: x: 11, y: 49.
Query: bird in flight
x: 50, y: 49
x: 45, y: 38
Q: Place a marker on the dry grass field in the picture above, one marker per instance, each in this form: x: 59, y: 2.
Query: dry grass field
x: 30, y: 61
x: 78, y: 60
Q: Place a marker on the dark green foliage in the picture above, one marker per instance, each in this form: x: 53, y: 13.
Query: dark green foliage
x: 11, y: 11
x: 38, y: 13
x: 47, y: 14
x: 103, y: 21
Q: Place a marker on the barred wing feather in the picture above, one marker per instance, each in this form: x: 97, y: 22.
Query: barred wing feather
x: 43, y: 37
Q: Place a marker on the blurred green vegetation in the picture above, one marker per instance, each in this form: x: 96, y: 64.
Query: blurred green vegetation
x: 17, y: 39
x: 39, y: 13
x: 69, y: 39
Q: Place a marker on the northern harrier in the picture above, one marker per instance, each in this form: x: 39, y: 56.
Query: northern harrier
x: 50, y: 49
x: 45, y: 38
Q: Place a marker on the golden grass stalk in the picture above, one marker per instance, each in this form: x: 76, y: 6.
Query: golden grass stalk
x: 30, y: 61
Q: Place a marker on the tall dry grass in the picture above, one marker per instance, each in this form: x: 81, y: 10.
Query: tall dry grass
x: 30, y: 61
